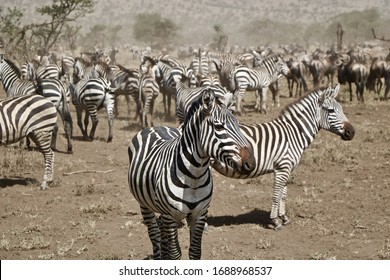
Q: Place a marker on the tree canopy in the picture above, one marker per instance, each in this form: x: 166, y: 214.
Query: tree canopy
x: 154, y: 29
x: 40, y: 37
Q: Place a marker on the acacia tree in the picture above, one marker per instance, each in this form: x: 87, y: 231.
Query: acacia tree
x: 154, y: 29
x: 59, y: 16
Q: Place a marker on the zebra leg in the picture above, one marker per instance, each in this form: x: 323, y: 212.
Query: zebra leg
x: 170, y: 242
x: 154, y: 232
x: 43, y: 141
x: 79, y: 112
x: 127, y: 97
x: 164, y: 239
x: 278, y: 199
x: 67, y: 122
x: 110, y: 114
x: 275, y: 94
x: 282, y: 207
x: 263, y: 100
x: 116, y: 112
x: 54, y: 137
x: 196, y: 231
x: 240, y: 95
x: 95, y: 122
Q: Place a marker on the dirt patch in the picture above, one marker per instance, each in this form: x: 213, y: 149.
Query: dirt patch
x: 337, y: 198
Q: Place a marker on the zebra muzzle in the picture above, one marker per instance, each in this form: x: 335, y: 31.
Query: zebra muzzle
x: 248, y: 162
x: 349, y: 132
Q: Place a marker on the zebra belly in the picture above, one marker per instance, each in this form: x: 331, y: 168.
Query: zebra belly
x: 183, y: 202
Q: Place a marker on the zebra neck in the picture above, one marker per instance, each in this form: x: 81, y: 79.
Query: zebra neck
x: 191, y: 158
x: 302, y: 123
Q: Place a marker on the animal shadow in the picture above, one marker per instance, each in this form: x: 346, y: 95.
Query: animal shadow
x: 10, y: 182
x: 256, y: 216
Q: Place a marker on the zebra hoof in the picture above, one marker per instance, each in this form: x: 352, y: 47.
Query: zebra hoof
x: 109, y: 140
x: 276, y: 224
x: 285, y: 220
x: 44, y: 186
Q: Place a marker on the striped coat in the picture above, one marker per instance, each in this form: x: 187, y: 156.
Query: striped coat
x: 279, y: 144
x: 170, y: 174
x: 33, y: 116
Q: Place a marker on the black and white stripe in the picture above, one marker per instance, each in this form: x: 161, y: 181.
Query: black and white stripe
x: 279, y: 144
x: 258, y: 78
x: 13, y: 84
x: 186, y: 96
x: 33, y: 116
x: 53, y: 89
x: 170, y: 172
x: 91, y: 95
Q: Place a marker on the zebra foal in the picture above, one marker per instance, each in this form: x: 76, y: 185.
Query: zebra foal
x: 169, y: 172
x: 278, y: 145
x: 34, y: 116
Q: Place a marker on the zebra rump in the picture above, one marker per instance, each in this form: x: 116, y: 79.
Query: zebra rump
x: 33, y: 116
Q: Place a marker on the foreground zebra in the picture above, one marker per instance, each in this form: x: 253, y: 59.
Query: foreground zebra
x: 279, y: 144
x: 33, y: 116
x: 170, y: 172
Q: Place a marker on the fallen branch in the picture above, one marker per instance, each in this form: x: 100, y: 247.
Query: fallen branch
x: 88, y: 171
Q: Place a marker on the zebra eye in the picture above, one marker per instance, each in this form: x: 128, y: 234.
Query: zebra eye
x: 219, y: 126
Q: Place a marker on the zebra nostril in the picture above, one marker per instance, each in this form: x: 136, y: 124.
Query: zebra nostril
x: 247, y: 166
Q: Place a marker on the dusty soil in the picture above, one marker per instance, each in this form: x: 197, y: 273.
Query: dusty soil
x: 338, y: 198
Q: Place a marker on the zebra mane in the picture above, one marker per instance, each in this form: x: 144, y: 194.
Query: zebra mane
x: 191, y: 111
x: 13, y: 66
x: 286, y: 109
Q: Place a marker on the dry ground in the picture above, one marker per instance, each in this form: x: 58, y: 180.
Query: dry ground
x: 338, y: 198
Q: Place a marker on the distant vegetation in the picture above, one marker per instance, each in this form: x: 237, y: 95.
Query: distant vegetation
x: 177, y: 22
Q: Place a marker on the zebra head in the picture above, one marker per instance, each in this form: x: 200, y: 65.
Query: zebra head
x: 332, y: 117
x: 221, y: 137
x: 282, y: 66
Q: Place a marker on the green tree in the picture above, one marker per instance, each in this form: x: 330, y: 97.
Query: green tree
x: 59, y: 16
x: 154, y: 29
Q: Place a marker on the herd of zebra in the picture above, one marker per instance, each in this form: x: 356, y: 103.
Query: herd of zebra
x: 208, y: 93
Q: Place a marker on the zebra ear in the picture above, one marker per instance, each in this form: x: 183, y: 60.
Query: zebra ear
x: 325, y: 94
x: 335, y: 91
x: 208, y: 100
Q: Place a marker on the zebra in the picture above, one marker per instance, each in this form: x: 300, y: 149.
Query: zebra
x: 185, y: 96
x: 83, y: 69
x: 34, y: 116
x: 169, y: 172
x: 130, y: 82
x: 164, y: 74
x: 278, y: 145
x: 53, y: 89
x: 258, y: 78
x: 200, y: 66
x: 33, y: 70
x: 13, y: 84
x: 91, y: 95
